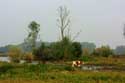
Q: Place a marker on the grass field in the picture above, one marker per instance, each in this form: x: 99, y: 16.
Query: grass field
x: 69, y: 77
x: 53, y: 73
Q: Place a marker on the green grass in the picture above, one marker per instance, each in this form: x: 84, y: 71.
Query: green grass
x: 21, y: 73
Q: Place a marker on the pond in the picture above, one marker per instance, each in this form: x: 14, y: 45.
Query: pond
x: 102, y: 68
x: 4, y: 59
x: 7, y: 59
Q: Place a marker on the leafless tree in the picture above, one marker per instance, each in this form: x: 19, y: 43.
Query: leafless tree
x: 77, y: 34
x: 63, y: 20
x: 64, y: 23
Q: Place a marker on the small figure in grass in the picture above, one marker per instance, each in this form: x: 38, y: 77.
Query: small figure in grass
x: 77, y: 63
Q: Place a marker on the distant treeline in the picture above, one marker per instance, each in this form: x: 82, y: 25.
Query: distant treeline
x: 119, y: 50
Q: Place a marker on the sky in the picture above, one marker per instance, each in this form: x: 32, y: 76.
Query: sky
x: 100, y: 21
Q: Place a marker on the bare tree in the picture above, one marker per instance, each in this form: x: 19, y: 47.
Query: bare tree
x: 63, y: 20
x: 77, y: 34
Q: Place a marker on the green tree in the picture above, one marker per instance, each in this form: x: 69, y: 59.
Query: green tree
x: 39, y: 53
x: 66, y: 47
x: 77, y: 49
x: 33, y: 33
x: 66, y: 50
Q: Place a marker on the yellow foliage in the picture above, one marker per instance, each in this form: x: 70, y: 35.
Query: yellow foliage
x: 28, y: 57
x: 15, y: 54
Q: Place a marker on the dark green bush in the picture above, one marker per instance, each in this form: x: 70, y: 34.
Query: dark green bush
x: 5, y: 67
x: 61, y: 50
x: 86, y: 58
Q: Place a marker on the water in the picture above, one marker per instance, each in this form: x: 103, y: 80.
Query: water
x: 91, y: 68
x: 7, y: 59
x: 102, y: 68
x: 4, y: 59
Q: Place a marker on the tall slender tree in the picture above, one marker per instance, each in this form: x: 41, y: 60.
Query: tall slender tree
x: 33, y: 33
x: 63, y: 20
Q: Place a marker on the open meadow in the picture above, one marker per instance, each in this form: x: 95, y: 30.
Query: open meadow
x: 60, y: 72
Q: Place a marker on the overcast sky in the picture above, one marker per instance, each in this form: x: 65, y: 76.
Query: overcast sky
x: 101, y: 21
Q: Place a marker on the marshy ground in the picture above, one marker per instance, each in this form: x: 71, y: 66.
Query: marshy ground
x: 56, y: 73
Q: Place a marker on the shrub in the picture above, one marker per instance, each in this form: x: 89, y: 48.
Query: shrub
x: 61, y: 50
x: 86, y: 58
x: 66, y: 50
x: 15, y: 54
x: 104, y: 51
x: 5, y: 67
x: 28, y: 57
x: 86, y: 52
x: 76, y: 50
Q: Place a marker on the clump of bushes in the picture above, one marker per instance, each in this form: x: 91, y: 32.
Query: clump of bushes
x: 5, y: 67
x: 61, y: 50
x: 104, y: 51
x: 87, y: 58
x: 28, y: 57
x: 15, y: 54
